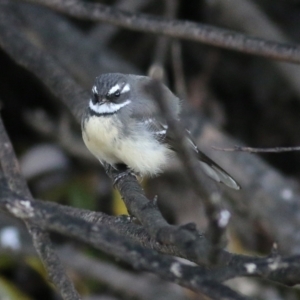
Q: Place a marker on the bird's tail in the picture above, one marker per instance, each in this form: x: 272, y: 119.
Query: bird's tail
x: 216, y: 172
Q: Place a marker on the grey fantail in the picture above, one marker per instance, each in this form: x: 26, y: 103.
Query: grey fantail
x: 123, y: 124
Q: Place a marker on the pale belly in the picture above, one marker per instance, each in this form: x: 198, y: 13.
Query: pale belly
x: 143, y: 154
x: 101, y: 137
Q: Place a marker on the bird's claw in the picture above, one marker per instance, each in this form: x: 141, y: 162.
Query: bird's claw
x: 123, y: 174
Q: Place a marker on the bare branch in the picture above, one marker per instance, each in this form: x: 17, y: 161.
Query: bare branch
x: 105, y: 239
x: 52, y: 263
x: 41, y: 240
x: 258, y: 150
x: 57, y: 35
x: 188, y: 241
x: 41, y: 65
x: 191, y: 166
x: 157, y: 68
x: 67, y: 220
x: 145, y: 287
x: 248, y: 16
x: 178, y: 71
x: 178, y: 29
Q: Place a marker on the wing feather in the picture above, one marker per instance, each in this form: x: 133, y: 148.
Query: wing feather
x: 160, y: 131
x: 209, y: 167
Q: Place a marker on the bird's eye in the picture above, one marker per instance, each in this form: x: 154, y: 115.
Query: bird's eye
x: 95, y: 98
x: 113, y: 95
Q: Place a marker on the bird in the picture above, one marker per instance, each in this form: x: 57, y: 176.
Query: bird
x: 123, y: 125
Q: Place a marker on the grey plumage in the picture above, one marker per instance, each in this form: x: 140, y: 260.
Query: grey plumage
x: 123, y: 124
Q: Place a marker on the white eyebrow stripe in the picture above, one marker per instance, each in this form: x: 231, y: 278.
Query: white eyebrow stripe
x: 114, y: 89
x: 94, y: 90
x: 107, y: 107
x: 126, y: 88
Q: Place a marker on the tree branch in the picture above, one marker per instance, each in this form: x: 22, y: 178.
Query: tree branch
x: 177, y: 29
x: 39, y: 63
x: 41, y: 240
x: 257, y: 150
x: 103, y: 238
x: 191, y: 166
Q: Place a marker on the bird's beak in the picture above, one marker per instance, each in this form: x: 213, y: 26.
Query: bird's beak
x: 103, y: 100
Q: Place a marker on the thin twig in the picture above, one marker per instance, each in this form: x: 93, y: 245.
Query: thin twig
x: 157, y: 68
x: 178, y: 70
x: 237, y: 148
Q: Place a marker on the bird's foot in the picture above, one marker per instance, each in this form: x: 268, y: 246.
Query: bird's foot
x: 123, y: 171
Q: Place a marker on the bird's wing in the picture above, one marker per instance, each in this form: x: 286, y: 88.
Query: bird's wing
x: 210, y: 168
x: 158, y: 127
x: 154, y: 124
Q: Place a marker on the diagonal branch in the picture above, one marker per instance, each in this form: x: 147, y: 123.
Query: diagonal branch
x: 189, y: 242
x: 41, y: 65
x: 191, y: 166
x: 258, y: 150
x: 177, y: 29
x: 103, y: 238
x: 41, y: 240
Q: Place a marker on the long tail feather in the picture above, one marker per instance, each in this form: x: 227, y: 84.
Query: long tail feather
x: 216, y: 172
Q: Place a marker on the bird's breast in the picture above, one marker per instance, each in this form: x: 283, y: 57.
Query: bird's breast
x: 101, y: 136
x: 105, y: 138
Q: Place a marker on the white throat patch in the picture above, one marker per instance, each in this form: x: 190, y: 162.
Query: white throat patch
x: 107, y: 107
